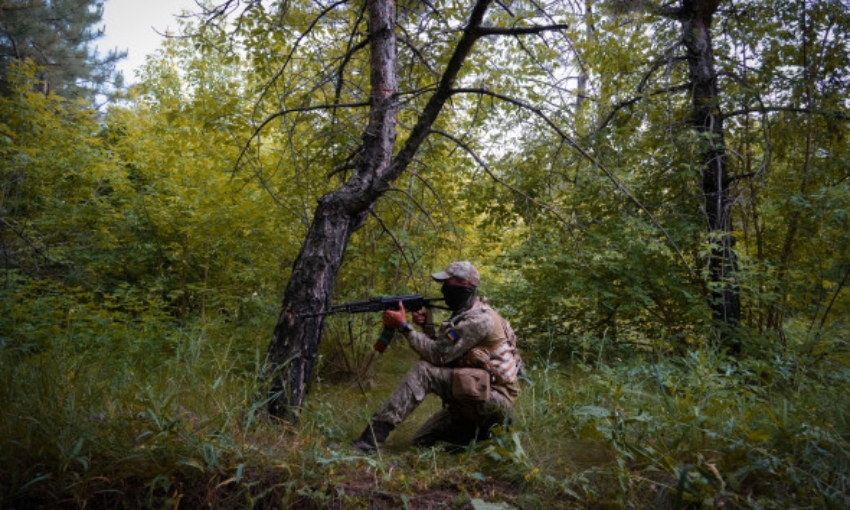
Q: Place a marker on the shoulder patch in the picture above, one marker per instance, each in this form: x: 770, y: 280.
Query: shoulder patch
x: 452, y: 335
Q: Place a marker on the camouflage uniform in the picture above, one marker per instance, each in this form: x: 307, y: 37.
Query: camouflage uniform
x: 456, y: 422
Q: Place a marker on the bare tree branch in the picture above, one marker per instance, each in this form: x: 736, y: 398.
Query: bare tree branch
x: 352, y: 49
x: 295, y: 46
x: 417, y: 204
x: 419, y: 56
x: 439, y: 201
x: 835, y: 294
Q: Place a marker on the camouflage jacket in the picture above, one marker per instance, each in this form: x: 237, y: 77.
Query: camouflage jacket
x: 460, y: 341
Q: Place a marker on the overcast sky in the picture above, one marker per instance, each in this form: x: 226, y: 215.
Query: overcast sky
x: 132, y: 25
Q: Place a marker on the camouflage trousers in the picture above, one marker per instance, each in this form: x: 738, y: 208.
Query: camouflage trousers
x: 455, y: 423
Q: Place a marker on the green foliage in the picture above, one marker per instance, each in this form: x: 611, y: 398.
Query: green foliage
x: 703, y: 431
x: 591, y: 262
x: 78, y: 416
x: 44, y: 317
x: 142, y: 253
x: 202, y: 230
x: 61, y: 186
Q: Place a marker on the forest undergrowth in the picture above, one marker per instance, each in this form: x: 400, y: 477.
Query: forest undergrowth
x: 105, y: 413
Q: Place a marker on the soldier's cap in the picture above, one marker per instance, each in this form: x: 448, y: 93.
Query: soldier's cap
x: 463, y: 270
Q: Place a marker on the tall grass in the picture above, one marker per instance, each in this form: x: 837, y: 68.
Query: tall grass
x: 700, y: 431
x: 149, y: 414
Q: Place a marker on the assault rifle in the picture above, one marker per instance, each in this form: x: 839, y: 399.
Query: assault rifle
x: 411, y: 302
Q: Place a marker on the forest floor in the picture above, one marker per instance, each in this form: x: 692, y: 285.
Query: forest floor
x: 694, y: 432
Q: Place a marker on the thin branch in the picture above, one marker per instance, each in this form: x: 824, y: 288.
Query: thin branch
x: 348, y: 165
x: 283, y: 113
x: 658, y: 64
x: 506, y: 8
x: 296, y: 44
x: 27, y: 240
x: 502, y: 182
x: 351, y: 50
x: 768, y: 144
x: 789, y: 109
x: 417, y: 204
x: 407, y: 41
x: 834, y: 297
x: 439, y: 202
x: 394, y: 238
x: 669, y: 10
x: 440, y: 96
x: 549, y: 72
x: 839, y: 181
x: 564, y: 136
x: 628, y: 102
x: 221, y: 10
x: 733, y: 178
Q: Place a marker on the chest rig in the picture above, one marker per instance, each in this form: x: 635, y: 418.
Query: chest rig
x: 497, y: 352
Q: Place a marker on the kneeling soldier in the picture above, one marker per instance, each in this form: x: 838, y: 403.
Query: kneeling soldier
x: 471, y: 363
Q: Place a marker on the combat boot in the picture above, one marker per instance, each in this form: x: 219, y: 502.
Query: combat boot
x: 373, y: 437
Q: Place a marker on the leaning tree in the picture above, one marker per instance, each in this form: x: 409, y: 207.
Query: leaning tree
x: 373, y: 27
x: 376, y: 28
x: 402, y: 106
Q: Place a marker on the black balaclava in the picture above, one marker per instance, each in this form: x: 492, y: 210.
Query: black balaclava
x: 459, y: 298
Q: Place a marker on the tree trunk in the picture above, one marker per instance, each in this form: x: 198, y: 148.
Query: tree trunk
x: 696, y: 17
x: 289, y: 362
x: 291, y: 355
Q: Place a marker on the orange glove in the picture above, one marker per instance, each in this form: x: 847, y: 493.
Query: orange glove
x: 392, y: 319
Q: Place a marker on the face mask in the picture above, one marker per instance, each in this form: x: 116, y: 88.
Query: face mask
x: 458, y: 298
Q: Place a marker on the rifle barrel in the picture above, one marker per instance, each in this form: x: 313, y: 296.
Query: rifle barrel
x: 378, y: 304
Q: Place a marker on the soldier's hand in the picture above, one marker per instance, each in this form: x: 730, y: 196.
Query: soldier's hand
x: 394, y: 318
x: 421, y: 317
